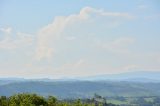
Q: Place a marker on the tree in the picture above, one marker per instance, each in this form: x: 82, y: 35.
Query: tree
x: 78, y: 103
x: 51, y: 101
x: 3, y: 101
x: 27, y: 100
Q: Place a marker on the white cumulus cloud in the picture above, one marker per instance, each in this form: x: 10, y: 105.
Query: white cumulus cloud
x: 52, y: 32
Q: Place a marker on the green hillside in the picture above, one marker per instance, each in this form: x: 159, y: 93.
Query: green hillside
x: 82, y: 89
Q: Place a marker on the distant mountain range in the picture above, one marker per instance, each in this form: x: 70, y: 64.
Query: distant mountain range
x: 135, y: 76
x: 82, y: 89
x: 129, y: 84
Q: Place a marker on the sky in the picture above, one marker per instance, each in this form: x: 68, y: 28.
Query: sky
x: 78, y: 38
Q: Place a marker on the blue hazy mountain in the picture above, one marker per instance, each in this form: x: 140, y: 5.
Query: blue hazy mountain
x: 82, y: 89
x: 124, y: 84
x: 134, y: 76
x: 137, y: 76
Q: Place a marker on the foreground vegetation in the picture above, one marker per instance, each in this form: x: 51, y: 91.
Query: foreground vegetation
x: 27, y: 99
x: 36, y: 100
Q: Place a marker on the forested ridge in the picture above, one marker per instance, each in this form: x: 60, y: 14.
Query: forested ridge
x: 81, y: 89
x: 79, y: 93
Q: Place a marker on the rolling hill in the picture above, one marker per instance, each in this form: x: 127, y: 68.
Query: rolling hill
x: 133, y: 84
x: 81, y: 89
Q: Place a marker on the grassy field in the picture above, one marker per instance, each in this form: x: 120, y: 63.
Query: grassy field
x: 134, y: 101
x: 117, y: 102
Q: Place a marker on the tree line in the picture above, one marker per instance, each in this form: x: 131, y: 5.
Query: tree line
x: 26, y: 99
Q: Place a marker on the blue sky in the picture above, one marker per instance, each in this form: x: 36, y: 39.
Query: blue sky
x: 56, y: 39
